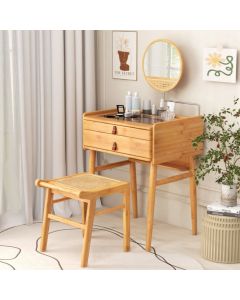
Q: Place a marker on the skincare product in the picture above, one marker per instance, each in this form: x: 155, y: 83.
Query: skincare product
x: 162, y: 104
x: 128, y: 102
x: 170, y: 114
x: 171, y: 106
x: 128, y: 114
x: 154, y: 109
x: 136, y: 105
x: 147, y: 107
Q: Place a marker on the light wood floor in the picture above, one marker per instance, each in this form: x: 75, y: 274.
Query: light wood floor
x: 175, y: 248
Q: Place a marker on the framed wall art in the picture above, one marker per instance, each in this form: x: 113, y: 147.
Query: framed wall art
x: 220, y: 65
x: 124, y: 55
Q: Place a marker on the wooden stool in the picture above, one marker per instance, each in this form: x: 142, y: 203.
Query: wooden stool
x: 86, y: 188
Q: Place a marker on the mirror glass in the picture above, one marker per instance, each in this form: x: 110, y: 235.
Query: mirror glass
x: 162, y: 65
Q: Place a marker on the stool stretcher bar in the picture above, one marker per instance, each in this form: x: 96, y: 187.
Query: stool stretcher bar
x: 109, y: 210
x: 60, y: 200
x: 66, y: 221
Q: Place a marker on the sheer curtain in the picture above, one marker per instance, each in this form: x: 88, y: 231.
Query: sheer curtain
x: 47, y: 81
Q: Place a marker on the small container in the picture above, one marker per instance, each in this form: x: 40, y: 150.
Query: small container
x: 154, y: 109
x: 128, y: 114
x: 147, y: 107
x: 171, y: 106
x: 169, y: 115
x: 162, y: 114
x: 136, y: 105
x: 162, y: 104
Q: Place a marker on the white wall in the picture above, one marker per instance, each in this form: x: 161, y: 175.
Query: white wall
x: 172, y: 203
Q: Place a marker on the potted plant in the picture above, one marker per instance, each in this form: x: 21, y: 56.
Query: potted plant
x: 222, y: 131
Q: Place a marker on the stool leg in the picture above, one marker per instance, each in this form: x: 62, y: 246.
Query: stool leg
x: 46, y: 220
x: 84, y: 212
x: 133, y: 182
x: 126, y: 221
x: 88, y: 232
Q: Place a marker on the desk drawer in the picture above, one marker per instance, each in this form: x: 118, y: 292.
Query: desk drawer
x: 132, y: 147
x: 118, y: 130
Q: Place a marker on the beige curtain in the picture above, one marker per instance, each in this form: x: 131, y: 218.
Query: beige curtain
x: 50, y: 82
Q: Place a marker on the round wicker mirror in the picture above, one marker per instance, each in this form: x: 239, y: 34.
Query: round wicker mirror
x: 162, y: 65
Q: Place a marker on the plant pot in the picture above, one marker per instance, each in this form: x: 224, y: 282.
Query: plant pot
x: 229, y: 195
x: 123, y: 57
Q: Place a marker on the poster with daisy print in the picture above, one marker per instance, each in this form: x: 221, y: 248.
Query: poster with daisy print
x: 220, y: 65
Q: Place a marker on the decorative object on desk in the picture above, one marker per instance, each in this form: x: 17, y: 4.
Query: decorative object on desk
x: 220, y: 65
x: 147, y: 107
x: 124, y: 55
x: 136, y: 105
x: 120, y: 110
x: 162, y: 65
x: 223, y: 158
x: 222, y: 210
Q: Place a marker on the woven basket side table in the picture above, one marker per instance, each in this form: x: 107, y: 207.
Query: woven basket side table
x: 220, y: 240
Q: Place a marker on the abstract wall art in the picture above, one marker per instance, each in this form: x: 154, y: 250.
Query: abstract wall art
x: 220, y: 64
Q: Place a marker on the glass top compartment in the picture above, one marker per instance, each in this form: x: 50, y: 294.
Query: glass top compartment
x: 145, y: 119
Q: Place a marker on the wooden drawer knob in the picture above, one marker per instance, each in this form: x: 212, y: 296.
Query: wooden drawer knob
x: 114, y: 146
x: 114, y: 130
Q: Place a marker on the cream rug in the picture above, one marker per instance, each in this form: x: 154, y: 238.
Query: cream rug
x: 173, y: 248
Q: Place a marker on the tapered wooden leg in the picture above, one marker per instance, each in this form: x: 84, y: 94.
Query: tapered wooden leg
x: 84, y: 212
x: 88, y: 232
x: 193, y: 197
x: 92, y: 161
x: 133, y: 181
x: 151, y: 204
x: 46, y: 220
x: 126, y: 221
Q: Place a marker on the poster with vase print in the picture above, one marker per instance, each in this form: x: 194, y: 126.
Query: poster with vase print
x: 124, y: 47
x: 220, y: 64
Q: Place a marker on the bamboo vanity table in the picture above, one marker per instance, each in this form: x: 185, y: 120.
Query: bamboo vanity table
x: 166, y: 144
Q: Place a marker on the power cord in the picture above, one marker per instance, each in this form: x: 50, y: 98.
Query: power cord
x: 95, y: 228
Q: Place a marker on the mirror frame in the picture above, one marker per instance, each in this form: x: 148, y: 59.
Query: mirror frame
x: 181, y: 64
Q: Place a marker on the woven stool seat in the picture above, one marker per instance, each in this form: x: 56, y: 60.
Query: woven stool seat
x: 85, y: 188
x: 84, y: 185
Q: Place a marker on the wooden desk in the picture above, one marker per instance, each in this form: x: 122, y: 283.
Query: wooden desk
x: 164, y: 144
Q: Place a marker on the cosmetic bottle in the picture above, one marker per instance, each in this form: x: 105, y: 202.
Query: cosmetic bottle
x: 147, y: 107
x: 136, y: 105
x: 170, y: 114
x: 128, y: 102
x: 162, y: 104
x: 154, y: 109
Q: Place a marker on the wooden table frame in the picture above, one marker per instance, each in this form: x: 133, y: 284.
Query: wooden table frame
x: 180, y: 158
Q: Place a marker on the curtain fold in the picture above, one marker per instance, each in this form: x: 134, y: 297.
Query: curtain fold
x: 47, y: 81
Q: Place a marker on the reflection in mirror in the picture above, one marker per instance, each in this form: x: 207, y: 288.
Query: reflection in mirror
x: 162, y: 65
